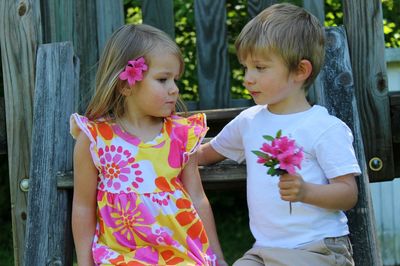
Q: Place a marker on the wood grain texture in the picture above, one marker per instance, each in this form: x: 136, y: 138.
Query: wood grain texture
x: 336, y: 92
x: 315, y: 7
x: 48, y: 234
x: 3, y: 133
x: 256, y: 6
x: 110, y: 16
x: 387, y: 215
x: 364, y: 26
x: 213, y: 69
x: 20, y: 34
x: 395, y: 116
x: 160, y: 14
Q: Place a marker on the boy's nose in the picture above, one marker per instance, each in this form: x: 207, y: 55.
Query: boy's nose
x: 248, y: 80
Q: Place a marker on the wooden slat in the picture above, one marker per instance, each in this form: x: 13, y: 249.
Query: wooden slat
x: 256, y: 6
x: 3, y: 134
x: 110, y: 16
x: 86, y: 48
x: 160, y: 14
x: 20, y: 34
x: 48, y: 231
x: 363, y: 22
x: 395, y: 114
x: 337, y: 94
x: 224, y: 172
x: 388, y: 224
x: 212, y: 54
x: 57, y: 20
x: 315, y: 7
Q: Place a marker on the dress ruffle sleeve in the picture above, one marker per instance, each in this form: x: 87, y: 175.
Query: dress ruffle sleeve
x: 197, y: 124
x: 80, y: 123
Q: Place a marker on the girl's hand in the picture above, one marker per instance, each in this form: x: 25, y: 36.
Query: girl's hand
x: 292, y: 187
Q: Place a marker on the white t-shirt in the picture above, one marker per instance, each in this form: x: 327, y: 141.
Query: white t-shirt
x: 328, y: 153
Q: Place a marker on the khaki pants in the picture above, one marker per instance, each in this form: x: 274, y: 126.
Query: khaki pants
x: 329, y: 251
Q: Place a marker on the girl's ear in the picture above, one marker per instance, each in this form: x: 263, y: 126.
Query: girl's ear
x: 125, y: 90
x: 304, y: 70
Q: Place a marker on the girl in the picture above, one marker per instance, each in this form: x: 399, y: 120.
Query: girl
x: 138, y: 196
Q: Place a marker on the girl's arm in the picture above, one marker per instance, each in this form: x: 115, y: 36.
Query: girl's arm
x: 84, y: 201
x: 192, y: 182
x: 340, y: 194
x: 207, y: 155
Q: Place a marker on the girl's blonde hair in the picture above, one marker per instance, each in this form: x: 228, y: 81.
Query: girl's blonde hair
x: 288, y: 31
x: 126, y: 43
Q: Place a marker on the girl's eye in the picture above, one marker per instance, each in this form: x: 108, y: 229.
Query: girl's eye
x: 162, y: 80
x: 260, y: 68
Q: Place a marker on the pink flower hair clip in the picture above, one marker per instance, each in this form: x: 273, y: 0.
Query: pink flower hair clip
x: 134, y: 71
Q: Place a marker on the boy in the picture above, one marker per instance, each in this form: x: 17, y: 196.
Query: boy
x: 282, y: 50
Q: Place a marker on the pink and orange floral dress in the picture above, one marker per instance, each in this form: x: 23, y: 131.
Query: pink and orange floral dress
x: 144, y: 215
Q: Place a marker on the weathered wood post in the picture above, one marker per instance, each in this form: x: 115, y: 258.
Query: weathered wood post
x: 160, y: 14
x: 364, y: 24
x: 336, y: 91
x: 48, y: 234
x: 20, y: 34
x: 213, y: 69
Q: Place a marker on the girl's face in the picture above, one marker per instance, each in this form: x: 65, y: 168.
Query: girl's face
x: 268, y: 81
x: 157, y: 93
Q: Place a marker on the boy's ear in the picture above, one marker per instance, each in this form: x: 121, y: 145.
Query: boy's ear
x: 304, y: 70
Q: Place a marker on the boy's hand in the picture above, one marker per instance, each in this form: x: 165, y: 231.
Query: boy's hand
x: 292, y: 187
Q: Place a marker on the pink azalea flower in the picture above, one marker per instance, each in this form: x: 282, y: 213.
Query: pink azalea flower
x: 281, y: 156
x: 134, y: 71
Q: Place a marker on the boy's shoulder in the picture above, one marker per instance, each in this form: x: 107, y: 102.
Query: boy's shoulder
x: 323, y: 117
x: 251, y: 111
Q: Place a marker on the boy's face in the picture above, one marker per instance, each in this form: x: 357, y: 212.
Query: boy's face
x: 268, y: 81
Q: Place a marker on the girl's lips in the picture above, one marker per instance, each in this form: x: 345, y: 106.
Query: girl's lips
x: 254, y: 93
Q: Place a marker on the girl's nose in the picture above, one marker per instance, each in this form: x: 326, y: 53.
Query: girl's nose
x: 174, y: 88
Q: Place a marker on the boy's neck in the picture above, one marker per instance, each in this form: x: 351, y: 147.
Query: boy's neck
x: 289, y: 108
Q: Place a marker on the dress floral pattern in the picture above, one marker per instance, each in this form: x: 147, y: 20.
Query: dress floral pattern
x: 144, y: 215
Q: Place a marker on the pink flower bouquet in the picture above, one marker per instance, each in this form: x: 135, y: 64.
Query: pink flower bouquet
x: 281, y: 156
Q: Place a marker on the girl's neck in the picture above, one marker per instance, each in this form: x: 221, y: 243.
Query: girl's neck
x: 145, y: 128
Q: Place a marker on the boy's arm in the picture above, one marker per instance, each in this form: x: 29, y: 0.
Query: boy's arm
x: 192, y: 182
x: 206, y: 155
x: 340, y: 194
x: 84, y: 201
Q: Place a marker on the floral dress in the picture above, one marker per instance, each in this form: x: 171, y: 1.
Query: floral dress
x: 144, y: 215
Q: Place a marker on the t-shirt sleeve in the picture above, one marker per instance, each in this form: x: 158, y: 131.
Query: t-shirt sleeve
x: 229, y: 141
x: 335, y: 152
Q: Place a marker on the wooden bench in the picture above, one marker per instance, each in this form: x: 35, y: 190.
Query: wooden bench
x: 49, y: 237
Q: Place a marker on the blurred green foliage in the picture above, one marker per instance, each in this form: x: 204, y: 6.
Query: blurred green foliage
x: 236, y: 18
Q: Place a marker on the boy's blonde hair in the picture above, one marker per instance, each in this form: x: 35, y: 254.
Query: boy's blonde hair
x: 288, y: 31
x: 126, y: 43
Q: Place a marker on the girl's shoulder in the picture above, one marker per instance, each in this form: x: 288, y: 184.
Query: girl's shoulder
x: 195, y: 120
x: 79, y: 123
x: 187, y: 130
